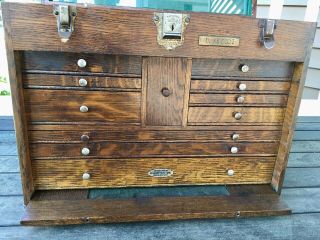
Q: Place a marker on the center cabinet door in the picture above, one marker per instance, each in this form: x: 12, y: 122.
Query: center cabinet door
x: 166, y: 84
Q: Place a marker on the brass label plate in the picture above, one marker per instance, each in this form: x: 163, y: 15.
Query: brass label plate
x: 219, y: 41
x: 160, y: 172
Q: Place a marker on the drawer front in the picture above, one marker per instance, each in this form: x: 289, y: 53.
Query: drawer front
x: 55, y: 174
x: 96, y: 63
x: 64, y: 106
x: 238, y: 99
x: 150, y: 149
x: 234, y: 85
x: 211, y: 115
x: 229, y: 68
x: 78, y: 136
x: 83, y: 82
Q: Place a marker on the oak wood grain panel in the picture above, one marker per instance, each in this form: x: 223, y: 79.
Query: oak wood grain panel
x: 149, y: 149
x: 230, y: 68
x: 34, y: 80
x: 164, y: 73
x: 96, y: 63
x: 233, y: 85
x: 226, y: 115
x: 55, y: 174
x: 64, y: 105
x: 129, y: 135
x: 249, y: 99
x: 132, y: 31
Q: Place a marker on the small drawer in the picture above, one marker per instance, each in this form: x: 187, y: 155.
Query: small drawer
x: 57, y: 174
x: 241, y: 68
x: 150, y: 149
x: 82, y: 106
x: 81, y: 81
x: 238, y: 99
x: 81, y: 62
x: 239, y: 86
x: 212, y: 115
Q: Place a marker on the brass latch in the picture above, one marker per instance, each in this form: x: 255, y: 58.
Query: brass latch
x: 267, y: 32
x: 65, y: 20
x: 171, y: 28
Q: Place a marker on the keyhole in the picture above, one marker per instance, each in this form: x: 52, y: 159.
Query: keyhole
x: 172, y: 27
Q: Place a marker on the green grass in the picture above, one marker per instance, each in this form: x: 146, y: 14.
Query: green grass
x: 4, y: 92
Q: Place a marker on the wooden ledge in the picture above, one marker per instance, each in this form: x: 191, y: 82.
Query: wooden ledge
x: 241, y: 203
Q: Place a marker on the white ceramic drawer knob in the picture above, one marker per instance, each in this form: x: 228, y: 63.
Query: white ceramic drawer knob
x: 242, y: 86
x: 235, y: 136
x: 230, y: 172
x: 244, y: 68
x: 83, y: 82
x: 85, y: 151
x: 86, y: 176
x: 238, y: 115
x: 82, y: 63
x: 234, y: 150
x: 84, y: 109
x: 240, y: 99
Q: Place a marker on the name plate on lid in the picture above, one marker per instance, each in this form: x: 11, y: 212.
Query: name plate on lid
x: 219, y: 41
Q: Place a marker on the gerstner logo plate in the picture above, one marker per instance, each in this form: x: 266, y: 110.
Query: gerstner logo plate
x: 219, y: 41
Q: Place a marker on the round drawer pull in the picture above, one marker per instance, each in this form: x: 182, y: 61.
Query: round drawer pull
x: 235, y: 136
x: 82, y: 63
x: 242, y: 86
x: 84, y: 109
x: 165, y: 92
x: 234, y: 150
x: 83, y: 82
x: 244, y: 68
x: 240, y: 99
x: 230, y: 172
x: 84, y: 137
x: 86, y: 176
x: 238, y: 115
x: 85, y: 151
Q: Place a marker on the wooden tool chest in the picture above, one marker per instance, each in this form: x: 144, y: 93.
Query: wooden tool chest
x: 109, y: 98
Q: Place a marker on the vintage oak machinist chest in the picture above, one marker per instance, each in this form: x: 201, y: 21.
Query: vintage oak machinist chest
x: 124, y: 100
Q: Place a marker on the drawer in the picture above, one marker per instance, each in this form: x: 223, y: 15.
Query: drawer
x: 238, y: 99
x: 140, y: 135
x: 203, y: 115
x: 230, y: 68
x: 236, y: 86
x: 83, y: 82
x: 95, y: 63
x: 56, y: 174
x: 149, y: 149
x: 64, y: 106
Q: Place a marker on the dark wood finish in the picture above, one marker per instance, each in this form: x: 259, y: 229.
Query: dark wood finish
x: 252, y: 115
x: 151, y: 209
x: 231, y: 68
x: 130, y: 135
x: 165, y: 91
x: 138, y: 33
x: 76, y: 194
x: 150, y: 149
x: 64, y: 106
x: 96, y: 63
x: 67, y: 174
x: 66, y: 81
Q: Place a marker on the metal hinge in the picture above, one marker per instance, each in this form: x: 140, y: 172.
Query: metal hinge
x: 267, y: 32
x: 65, y: 20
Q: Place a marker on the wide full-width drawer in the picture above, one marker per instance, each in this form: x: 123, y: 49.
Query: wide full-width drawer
x: 96, y: 63
x: 82, y: 106
x: 229, y: 68
x: 150, y: 149
x: 83, y: 82
x: 211, y: 115
x: 142, y: 135
x: 57, y: 174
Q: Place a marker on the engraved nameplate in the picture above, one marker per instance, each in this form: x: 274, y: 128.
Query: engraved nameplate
x: 219, y: 41
x: 160, y: 172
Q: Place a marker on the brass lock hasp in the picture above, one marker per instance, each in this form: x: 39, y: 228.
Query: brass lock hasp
x: 65, y: 20
x: 171, y: 28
